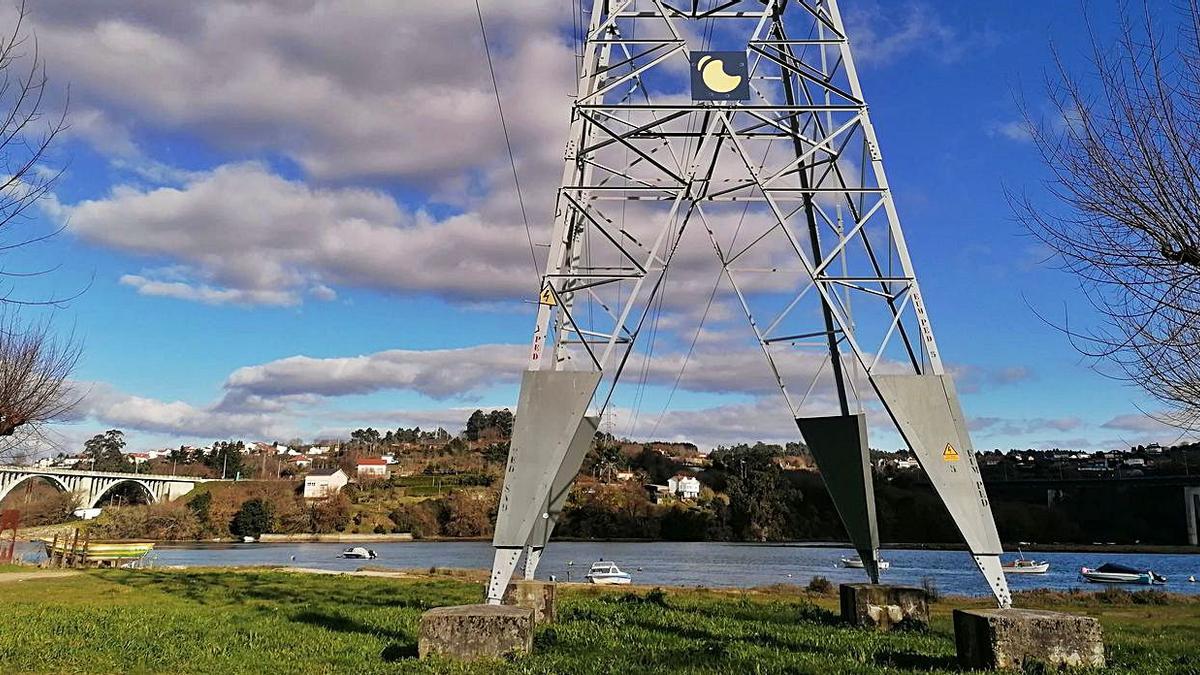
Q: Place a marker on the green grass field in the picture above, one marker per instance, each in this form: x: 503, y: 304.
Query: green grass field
x: 257, y: 621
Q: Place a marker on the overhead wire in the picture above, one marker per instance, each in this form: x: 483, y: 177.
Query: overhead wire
x: 706, y: 35
x: 512, y: 160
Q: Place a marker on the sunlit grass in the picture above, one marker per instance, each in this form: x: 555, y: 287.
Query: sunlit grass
x: 257, y: 621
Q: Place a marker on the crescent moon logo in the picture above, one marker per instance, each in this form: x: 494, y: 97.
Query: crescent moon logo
x: 712, y: 71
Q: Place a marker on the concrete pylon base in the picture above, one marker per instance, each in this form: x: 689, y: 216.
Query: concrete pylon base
x: 1017, y: 638
x: 884, y: 607
x: 539, y: 596
x: 470, y: 632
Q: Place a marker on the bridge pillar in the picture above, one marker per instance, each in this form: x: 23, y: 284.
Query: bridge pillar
x: 1191, y: 506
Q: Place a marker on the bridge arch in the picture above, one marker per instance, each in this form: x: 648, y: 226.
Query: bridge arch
x: 49, y: 478
x: 102, y: 493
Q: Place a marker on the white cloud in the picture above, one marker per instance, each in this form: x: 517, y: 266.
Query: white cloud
x: 882, y: 33
x: 206, y: 294
x: 128, y: 412
x: 344, y: 88
x: 246, y: 235
x: 438, y: 373
x: 1014, y: 131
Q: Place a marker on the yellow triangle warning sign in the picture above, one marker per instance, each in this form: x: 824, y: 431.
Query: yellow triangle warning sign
x: 547, y: 297
x: 949, y: 454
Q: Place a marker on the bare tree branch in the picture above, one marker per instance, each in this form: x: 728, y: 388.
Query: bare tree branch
x: 1123, y: 150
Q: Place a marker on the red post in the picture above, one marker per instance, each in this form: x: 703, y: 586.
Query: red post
x: 10, y: 519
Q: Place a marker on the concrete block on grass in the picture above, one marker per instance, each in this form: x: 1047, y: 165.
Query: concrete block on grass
x: 540, y: 596
x: 1017, y: 638
x: 469, y: 632
x: 884, y: 607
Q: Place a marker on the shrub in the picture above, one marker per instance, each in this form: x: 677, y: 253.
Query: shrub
x: 166, y: 521
x: 820, y: 585
x: 49, y: 509
x: 417, y: 519
x: 1153, y: 597
x: 252, y: 519
x: 1114, y: 596
x: 331, y: 514
x: 932, y: 593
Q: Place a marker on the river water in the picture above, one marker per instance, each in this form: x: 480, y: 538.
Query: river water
x: 690, y: 564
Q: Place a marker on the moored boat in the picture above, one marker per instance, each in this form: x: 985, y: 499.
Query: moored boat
x: 605, y: 572
x: 1113, y: 573
x: 358, y: 553
x: 855, y: 562
x: 98, y: 553
x: 1022, y: 565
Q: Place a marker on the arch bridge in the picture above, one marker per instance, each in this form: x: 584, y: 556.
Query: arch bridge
x: 92, y: 486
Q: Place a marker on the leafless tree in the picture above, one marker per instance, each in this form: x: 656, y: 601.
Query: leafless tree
x: 35, y: 385
x: 35, y: 367
x: 1123, y: 148
x: 27, y: 133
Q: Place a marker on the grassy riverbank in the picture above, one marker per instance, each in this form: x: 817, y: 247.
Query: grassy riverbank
x: 266, y: 621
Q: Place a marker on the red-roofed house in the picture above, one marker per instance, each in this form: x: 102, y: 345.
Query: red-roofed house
x: 301, y: 462
x: 372, y: 467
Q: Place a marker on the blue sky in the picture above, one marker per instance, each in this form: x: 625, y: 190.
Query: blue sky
x: 294, y: 219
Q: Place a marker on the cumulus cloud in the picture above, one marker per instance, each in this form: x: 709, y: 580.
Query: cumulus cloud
x: 243, y: 234
x: 343, y: 88
x: 118, y: 409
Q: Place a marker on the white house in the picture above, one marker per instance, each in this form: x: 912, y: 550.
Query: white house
x: 684, y: 486
x: 324, y: 482
x: 390, y: 458
x: 301, y: 462
x: 318, y: 450
x: 372, y: 467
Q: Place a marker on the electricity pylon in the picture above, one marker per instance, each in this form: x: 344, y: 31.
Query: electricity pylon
x: 773, y: 163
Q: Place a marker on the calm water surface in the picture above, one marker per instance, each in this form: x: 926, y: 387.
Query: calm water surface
x: 690, y: 564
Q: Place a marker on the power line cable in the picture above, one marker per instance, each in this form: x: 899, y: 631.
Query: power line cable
x: 487, y: 50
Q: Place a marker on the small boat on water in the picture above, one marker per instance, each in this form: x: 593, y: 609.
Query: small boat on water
x: 97, y: 553
x: 1113, y: 573
x: 607, y: 573
x: 358, y: 553
x: 1022, y: 565
x: 856, y: 562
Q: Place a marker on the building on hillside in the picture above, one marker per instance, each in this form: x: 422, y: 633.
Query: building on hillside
x: 372, y: 467
x: 684, y: 486
x: 138, y: 458
x: 300, y: 462
x: 625, y: 475
x: 657, y: 493
x: 324, y: 483
x: 319, y: 450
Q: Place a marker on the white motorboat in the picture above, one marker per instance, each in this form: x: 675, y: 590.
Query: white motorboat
x: 604, y: 572
x: 358, y: 553
x: 1024, y: 566
x: 1111, y: 573
x: 856, y: 562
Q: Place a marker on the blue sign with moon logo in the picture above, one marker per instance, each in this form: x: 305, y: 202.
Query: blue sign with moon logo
x: 720, y: 76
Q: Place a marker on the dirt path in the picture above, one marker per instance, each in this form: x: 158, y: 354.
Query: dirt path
x: 39, y: 574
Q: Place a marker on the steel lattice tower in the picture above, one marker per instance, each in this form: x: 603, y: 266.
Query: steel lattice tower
x: 783, y: 177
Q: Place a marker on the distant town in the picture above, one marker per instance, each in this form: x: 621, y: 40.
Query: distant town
x: 431, y: 483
